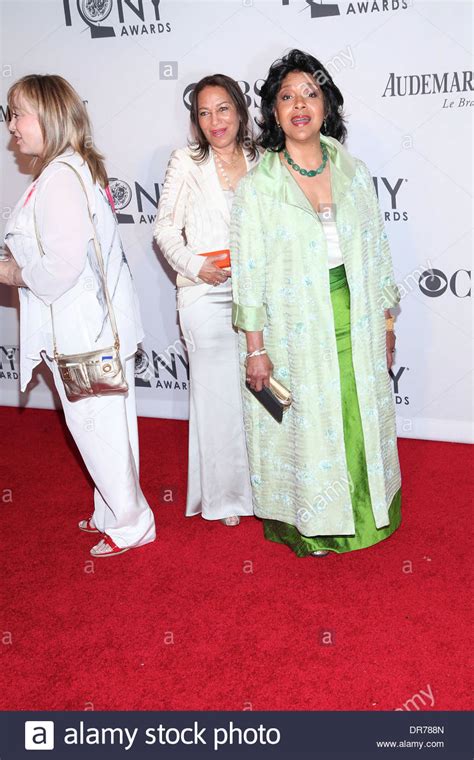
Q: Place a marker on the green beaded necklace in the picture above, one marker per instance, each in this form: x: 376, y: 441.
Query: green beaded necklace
x: 308, y: 172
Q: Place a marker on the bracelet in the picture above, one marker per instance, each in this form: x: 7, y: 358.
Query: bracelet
x: 258, y: 352
x: 389, y: 322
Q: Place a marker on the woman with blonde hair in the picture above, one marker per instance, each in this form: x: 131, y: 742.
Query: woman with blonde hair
x: 77, y: 296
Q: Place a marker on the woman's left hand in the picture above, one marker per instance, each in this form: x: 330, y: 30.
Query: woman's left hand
x: 390, y: 347
x: 10, y: 273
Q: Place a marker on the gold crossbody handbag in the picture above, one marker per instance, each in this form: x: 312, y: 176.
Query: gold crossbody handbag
x: 94, y: 373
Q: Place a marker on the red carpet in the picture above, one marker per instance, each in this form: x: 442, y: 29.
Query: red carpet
x: 183, y: 624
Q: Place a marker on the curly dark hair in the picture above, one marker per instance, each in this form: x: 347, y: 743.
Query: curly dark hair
x: 272, y: 136
x: 245, y: 136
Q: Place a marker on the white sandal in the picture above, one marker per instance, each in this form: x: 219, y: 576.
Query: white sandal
x: 107, y: 548
x: 87, y: 527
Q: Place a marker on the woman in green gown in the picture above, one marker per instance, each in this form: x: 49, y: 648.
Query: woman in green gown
x: 312, y: 290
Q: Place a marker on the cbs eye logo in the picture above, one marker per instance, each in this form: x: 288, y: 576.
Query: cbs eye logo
x: 434, y: 283
x: 252, y: 96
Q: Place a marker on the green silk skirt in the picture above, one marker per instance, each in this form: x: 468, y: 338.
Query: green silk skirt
x: 366, y: 532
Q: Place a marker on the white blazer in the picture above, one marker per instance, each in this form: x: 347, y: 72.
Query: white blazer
x: 193, y: 217
x: 67, y: 275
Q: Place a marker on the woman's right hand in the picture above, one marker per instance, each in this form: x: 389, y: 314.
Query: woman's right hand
x: 210, y: 273
x: 259, y: 370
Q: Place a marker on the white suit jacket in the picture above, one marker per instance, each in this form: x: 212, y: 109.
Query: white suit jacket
x: 193, y: 217
x: 67, y: 276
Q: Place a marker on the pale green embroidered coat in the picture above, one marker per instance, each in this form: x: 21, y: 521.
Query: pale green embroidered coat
x: 281, y: 285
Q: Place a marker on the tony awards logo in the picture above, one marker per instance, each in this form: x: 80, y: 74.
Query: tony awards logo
x: 324, y: 8
x: 117, y: 18
x: 9, y: 361
x: 318, y: 10
x: 167, y: 370
x: 145, y: 203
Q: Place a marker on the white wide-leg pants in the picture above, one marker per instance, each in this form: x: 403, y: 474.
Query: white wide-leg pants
x: 105, y: 431
x: 218, y: 470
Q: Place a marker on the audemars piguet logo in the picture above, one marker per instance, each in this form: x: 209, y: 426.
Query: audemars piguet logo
x: 117, y: 18
x: 449, y: 83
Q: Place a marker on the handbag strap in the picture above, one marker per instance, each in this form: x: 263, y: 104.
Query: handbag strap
x: 100, y: 261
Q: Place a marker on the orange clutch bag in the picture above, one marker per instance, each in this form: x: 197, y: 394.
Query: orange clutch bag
x: 222, y: 263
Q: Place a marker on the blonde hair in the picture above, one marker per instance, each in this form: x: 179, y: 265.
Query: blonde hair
x: 63, y: 120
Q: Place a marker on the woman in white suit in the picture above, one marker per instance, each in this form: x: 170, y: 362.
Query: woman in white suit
x: 53, y: 263
x: 193, y: 219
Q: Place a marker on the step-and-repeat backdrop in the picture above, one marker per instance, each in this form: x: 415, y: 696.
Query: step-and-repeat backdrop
x: 403, y: 68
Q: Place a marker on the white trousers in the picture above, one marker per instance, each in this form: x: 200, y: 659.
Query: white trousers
x: 218, y: 470
x: 105, y: 431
